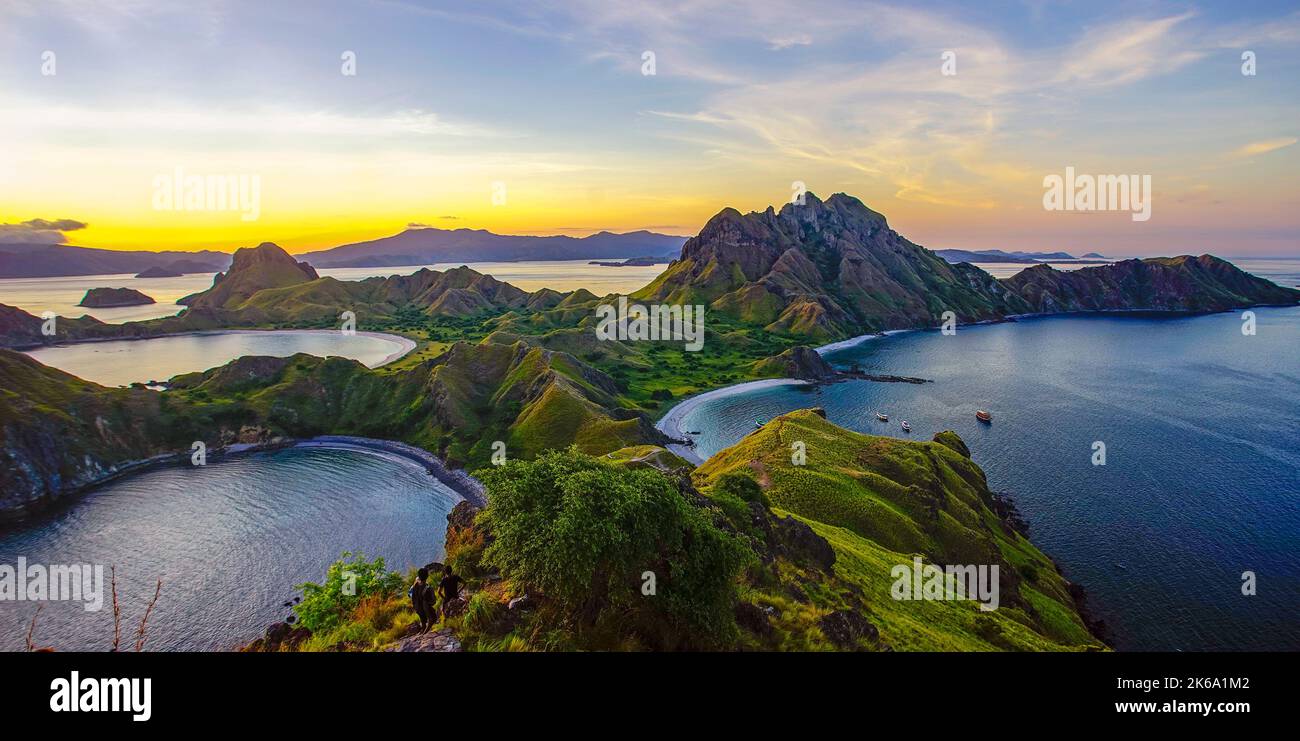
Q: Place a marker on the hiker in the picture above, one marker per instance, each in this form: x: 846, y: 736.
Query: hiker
x: 449, y: 587
x: 421, y: 599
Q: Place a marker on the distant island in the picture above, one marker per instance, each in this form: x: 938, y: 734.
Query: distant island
x: 107, y: 298
x: 634, y: 262
x: 179, y: 268
x: 1016, y: 257
x: 157, y: 272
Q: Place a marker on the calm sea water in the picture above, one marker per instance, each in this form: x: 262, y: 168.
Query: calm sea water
x: 230, y: 541
x: 121, y: 362
x: 61, y: 295
x: 1202, y: 477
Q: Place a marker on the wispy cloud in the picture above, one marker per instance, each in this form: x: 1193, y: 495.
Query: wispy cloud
x: 1264, y: 147
x: 785, y: 42
x: 1128, y: 51
x: 249, y: 122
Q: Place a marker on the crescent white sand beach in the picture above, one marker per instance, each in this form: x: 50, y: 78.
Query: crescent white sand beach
x: 670, y: 423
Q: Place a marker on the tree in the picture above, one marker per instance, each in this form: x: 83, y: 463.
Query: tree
x: 584, y: 533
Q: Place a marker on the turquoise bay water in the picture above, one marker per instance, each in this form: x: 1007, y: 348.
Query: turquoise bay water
x: 229, y: 540
x: 1202, y: 432
x: 121, y: 362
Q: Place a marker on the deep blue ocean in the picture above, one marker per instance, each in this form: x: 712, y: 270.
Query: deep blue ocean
x: 1201, y: 426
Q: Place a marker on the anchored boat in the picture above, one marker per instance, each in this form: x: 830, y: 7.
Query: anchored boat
x: 882, y: 417
x: 984, y: 416
x: 906, y: 426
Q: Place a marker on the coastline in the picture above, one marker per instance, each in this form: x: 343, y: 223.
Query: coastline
x: 670, y: 423
x: 458, y: 480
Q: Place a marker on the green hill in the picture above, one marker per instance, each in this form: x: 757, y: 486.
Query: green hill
x: 59, y: 433
x: 751, y: 553
x: 879, y: 501
x: 827, y: 270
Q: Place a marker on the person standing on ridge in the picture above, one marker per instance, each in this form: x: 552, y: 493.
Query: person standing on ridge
x: 449, y: 587
x: 420, y: 599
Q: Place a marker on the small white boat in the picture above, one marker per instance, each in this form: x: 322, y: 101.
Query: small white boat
x: 906, y: 426
x: 882, y: 417
x: 984, y: 416
x: 758, y: 424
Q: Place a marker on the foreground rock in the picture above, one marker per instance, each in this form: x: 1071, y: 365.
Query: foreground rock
x: 279, y: 637
x: 439, y: 641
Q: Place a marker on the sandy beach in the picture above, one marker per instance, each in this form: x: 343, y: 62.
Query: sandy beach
x: 456, y: 479
x: 670, y: 423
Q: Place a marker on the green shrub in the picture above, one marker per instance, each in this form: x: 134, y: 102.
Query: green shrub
x: 347, y: 582
x: 464, y: 548
x: 740, y: 486
x: 584, y: 533
x: 481, y: 611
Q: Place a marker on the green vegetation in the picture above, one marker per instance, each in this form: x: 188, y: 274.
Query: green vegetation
x: 348, y: 582
x: 736, y: 564
x: 878, y: 501
x: 595, y: 538
x: 748, y: 552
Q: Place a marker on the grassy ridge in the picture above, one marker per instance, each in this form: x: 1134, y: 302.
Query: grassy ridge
x: 879, y: 501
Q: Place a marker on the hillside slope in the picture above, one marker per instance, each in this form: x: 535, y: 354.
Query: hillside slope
x: 823, y: 270
x: 832, y: 269
x: 879, y: 501
x: 59, y: 433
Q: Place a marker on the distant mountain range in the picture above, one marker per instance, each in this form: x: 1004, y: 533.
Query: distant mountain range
x: 427, y: 246
x: 52, y: 260
x: 423, y: 246
x: 1010, y: 257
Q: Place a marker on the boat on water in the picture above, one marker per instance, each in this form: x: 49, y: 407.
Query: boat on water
x: 882, y: 417
x: 984, y: 416
x: 758, y: 424
x: 906, y: 426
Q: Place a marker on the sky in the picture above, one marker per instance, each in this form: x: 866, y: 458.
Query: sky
x: 540, y: 118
